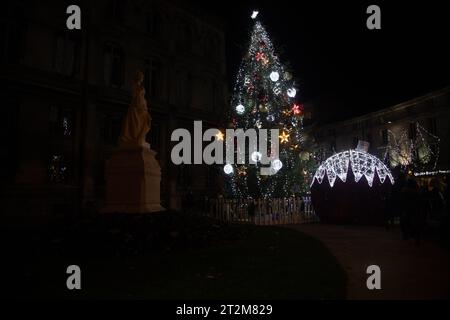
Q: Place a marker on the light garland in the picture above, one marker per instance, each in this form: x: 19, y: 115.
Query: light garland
x: 362, y: 164
x: 431, y: 173
x: 403, y: 151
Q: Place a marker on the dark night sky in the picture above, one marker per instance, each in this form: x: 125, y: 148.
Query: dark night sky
x: 337, y: 59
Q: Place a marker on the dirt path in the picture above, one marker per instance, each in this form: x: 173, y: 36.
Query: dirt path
x: 407, y: 271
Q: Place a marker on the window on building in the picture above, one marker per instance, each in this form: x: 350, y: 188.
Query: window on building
x: 184, y: 177
x: 3, y: 40
x: 57, y: 170
x: 117, y: 10
x: 218, y: 96
x: 154, y: 137
x: 65, y: 54
x: 355, y: 142
x: 109, y: 127
x: 384, y: 136
x: 331, y: 132
x: 432, y: 126
x: 61, y: 121
x: 202, y: 93
x: 9, y: 146
x: 114, y: 65
x: 211, y: 175
x: 212, y: 47
x: 369, y: 138
x: 185, y: 35
x: 61, y: 129
x: 155, y: 24
x: 333, y: 146
x: 181, y: 85
x: 412, y: 132
x: 153, y: 79
x: 12, y: 41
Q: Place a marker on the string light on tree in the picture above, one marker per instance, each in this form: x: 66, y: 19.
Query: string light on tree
x: 267, y: 90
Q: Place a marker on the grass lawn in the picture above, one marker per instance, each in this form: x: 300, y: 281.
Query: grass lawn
x: 219, y: 262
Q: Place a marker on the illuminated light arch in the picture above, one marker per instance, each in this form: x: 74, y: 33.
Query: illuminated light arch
x: 361, y: 163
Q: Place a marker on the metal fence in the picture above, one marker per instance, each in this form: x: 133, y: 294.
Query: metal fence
x: 294, y: 210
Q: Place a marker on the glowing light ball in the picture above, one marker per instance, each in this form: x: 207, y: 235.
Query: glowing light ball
x: 350, y: 188
x: 274, y: 76
x: 291, y: 92
x: 277, y: 165
x: 304, y: 155
x: 256, y: 156
x: 254, y: 14
x: 228, y: 169
x: 288, y: 76
x: 240, y: 109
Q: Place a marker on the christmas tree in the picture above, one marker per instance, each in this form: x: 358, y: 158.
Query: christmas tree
x: 265, y: 97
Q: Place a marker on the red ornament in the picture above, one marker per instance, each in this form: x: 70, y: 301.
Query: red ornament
x: 260, y: 56
x: 262, y: 96
x: 297, y: 109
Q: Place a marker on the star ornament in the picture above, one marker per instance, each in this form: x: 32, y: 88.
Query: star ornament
x: 296, y: 109
x: 260, y: 56
x: 284, y: 137
x: 220, y: 136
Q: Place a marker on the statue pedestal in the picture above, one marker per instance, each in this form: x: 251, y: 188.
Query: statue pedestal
x: 133, y: 178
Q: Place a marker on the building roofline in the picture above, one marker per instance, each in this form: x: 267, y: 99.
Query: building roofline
x: 391, y: 109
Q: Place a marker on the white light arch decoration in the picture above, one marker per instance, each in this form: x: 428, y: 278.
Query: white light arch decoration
x: 362, y: 164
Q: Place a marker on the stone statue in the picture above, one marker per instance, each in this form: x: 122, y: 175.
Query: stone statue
x: 136, y: 124
x: 132, y: 174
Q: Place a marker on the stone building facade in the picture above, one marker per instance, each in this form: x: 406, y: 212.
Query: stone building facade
x: 431, y: 112
x: 64, y: 94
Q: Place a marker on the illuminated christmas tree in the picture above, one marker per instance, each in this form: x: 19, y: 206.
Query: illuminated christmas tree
x: 264, y: 97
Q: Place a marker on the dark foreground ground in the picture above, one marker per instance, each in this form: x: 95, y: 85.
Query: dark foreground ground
x: 407, y: 271
x: 168, y: 256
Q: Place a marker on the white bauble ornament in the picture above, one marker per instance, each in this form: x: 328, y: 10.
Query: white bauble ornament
x: 256, y: 156
x: 228, y: 169
x: 291, y: 92
x: 274, y: 76
x: 277, y: 165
